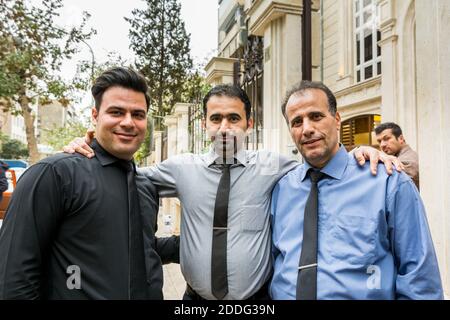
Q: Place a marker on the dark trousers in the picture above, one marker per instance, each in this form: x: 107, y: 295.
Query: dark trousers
x: 261, y: 294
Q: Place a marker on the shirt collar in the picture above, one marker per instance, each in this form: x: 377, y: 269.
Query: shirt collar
x: 335, y: 167
x: 212, y: 156
x: 403, y: 150
x: 103, y: 156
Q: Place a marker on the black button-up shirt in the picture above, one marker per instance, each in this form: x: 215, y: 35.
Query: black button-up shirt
x: 65, y: 233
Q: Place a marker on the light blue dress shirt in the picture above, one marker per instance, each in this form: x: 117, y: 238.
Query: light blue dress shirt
x: 373, y: 236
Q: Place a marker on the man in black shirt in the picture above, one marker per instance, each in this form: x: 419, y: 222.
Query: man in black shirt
x: 72, y: 236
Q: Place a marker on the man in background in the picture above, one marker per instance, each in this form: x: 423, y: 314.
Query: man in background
x: 391, y: 141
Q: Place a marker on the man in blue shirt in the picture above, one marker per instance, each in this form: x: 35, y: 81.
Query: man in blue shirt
x: 366, y: 236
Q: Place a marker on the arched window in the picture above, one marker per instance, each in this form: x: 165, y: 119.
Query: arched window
x: 359, y: 131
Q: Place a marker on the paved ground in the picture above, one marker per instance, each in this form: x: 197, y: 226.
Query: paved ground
x: 174, y: 284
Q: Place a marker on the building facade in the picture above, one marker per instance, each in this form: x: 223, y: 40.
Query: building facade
x: 13, y: 126
x: 385, y: 60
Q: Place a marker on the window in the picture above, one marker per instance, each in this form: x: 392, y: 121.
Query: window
x: 359, y: 131
x: 367, y: 35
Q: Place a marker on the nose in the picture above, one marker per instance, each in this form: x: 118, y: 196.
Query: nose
x: 224, y: 126
x: 308, y: 127
x: 127, y: 120
x: 383, y: 145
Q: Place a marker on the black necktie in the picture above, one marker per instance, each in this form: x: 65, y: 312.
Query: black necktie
x: 219, y: 281
x: 137, y: 272
x: 307, y: 269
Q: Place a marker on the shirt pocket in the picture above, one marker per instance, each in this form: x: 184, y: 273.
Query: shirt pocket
x: 253, y: 218
x: 352, y: 239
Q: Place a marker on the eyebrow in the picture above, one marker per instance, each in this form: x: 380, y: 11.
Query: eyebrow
x: 226, y: 115
x: 123, y: 108
x: 115, y: 107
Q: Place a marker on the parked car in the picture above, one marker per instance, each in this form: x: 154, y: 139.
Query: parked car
x: 15, y: 163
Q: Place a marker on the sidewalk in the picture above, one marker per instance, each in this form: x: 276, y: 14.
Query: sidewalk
x: 174, y: 284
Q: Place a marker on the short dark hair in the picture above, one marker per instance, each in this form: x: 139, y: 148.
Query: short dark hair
x: 231, y: 91
x: 307, y: 85
x: 396, y: 130
x: 119, y: 77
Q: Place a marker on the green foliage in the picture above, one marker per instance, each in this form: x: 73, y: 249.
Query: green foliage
x: 159, y: 39
x: 145, y: 149
x: 86, y: 72
x: 195, y: 87
x: 32, y: 49
x: 60, y: 137
x: 12, y: 148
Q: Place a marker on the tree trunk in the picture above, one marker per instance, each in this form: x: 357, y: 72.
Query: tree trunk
x: 29, y: 129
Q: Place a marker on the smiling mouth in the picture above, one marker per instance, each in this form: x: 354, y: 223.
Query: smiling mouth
x: 127, y: 135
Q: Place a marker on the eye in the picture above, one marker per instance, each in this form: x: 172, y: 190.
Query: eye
x: 116, y: 113
x: 234, y: 118
x: 296, y: 122
x: 139, y: 115
x: 316, y: 116
x: 214, y: 118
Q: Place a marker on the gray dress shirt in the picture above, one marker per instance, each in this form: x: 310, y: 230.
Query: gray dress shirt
x: 194, y: 180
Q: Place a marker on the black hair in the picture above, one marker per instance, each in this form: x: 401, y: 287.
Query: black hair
x: 396, y: 130
x: 231, y: 91
x: 306, y: 85
x: 119, y: 77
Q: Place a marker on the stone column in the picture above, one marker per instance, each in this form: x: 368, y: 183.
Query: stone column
x: 158, y: 145
x: 433, y: 94
x: 181, y: 112
x: 282, y: 69
x: 171, y: 123
x: 389, y: 77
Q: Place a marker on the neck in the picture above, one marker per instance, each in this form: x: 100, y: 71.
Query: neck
x: 121, y: 156
x: 321, y: 162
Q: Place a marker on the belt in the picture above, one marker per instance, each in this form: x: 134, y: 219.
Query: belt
x: 261, y: 294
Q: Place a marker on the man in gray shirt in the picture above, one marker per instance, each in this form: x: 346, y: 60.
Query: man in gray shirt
x: 194, y: 179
